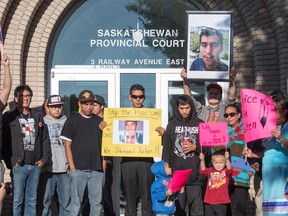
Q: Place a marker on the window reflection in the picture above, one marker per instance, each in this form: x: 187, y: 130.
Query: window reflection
x: 148, y: 81
x: 69, y: 91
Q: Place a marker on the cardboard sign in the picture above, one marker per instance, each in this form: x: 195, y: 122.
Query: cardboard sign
x: 179, y: 179
x: 130, y: 132
x: 213, y: 134
x: 258, y: 114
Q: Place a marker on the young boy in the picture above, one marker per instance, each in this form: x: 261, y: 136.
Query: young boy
x: 162, y: 198
x: 216, y: 195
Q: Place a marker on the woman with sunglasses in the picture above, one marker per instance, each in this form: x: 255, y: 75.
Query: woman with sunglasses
x: 275, y: 161
x: 242, y: 171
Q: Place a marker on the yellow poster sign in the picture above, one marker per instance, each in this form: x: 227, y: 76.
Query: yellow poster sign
x: 130, y: 132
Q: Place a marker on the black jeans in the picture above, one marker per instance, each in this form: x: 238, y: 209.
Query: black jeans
x: 238, y: 201
x: 191, y: 200
x: 215, y: 210
x: 137, y: 179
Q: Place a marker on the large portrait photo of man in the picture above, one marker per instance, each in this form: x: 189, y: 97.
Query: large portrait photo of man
x: 209, y: 45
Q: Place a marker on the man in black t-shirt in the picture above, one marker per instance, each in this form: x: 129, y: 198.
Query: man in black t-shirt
x: 82, y: 139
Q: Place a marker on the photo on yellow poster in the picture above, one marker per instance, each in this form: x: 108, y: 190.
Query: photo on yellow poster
x: 130, y: 132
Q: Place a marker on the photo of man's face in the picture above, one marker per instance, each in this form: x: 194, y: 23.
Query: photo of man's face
x: 131, y: 131
x: 131, y: 137
x: 130, y: 125
x: 210, y: 49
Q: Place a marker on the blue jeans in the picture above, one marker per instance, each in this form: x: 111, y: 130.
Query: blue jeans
x: 94, y: 182
x: 25, y: 178
x: 60, y: 182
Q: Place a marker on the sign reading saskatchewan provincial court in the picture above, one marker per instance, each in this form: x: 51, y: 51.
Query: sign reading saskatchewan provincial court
x: 130, y: 132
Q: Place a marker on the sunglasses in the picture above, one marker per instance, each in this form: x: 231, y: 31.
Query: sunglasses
x: 232, y: 114
x: 137, y: 96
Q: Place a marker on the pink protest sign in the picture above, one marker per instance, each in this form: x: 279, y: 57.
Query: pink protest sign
x: 258, y: 114
x: 179, y: 179
x: 213, y: 134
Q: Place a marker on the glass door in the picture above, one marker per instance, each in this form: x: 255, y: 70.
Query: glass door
x: 171, y: 87
x: 70, y: 82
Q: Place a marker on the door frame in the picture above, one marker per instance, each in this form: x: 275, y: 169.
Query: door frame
x: 83, y: 74
x: 89, y: 73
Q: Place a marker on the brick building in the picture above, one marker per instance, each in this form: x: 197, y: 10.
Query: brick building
x: 259, y: 50
x: 33, y: 30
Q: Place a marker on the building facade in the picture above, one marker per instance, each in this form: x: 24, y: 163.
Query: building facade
x: 31, y: 30
x: 64, y: 46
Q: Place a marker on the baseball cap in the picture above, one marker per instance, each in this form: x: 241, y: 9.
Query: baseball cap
x: 214, y: 85
x: 54, y: 100
x: 86, y: 95
x: 100, y: 100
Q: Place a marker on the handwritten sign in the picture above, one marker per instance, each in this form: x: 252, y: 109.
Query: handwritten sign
x: 179, y: 179
x: 258, y: 114
x: 130, y: 132
x: 213, y: 134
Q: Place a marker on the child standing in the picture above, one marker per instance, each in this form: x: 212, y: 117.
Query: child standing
x: 216, y: 195
x: 163, y: 200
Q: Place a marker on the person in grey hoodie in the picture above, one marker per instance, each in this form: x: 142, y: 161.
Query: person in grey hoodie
x: 181, y: 150
x: 215, y: 109
x: 56, y: 175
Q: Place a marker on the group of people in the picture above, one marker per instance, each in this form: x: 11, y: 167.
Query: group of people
x: 231, y: 169
x: 46, y: 151
x: 51, y: 152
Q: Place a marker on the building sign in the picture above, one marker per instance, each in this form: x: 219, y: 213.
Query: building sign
x: 123, y: 36
x: 136, y: 38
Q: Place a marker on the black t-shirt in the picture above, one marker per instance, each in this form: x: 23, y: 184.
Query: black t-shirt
x: 86, y: 141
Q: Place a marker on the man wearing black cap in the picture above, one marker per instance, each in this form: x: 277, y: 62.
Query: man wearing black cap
x: 215, y: 110
x: 99, y: 104
x: 56, y: 177
x: 83, y: 139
